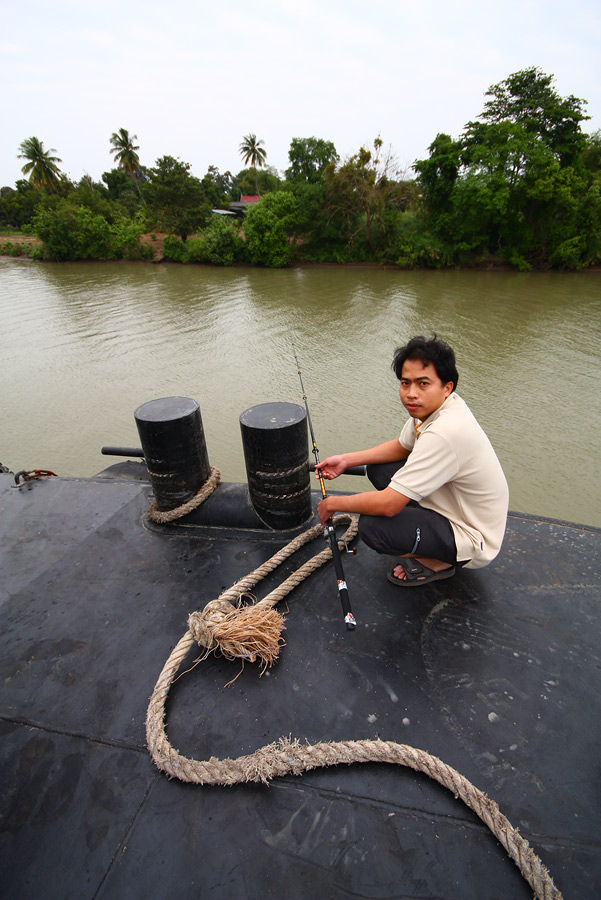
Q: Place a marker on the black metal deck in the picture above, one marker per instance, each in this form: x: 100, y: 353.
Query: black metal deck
x: 496, y: 671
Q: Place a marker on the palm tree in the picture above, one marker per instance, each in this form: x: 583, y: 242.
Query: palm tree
x: 125, y: 154
x: 41, y: 167
x: 252, y: 151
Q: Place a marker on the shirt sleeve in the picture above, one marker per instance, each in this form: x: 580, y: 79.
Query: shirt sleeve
x: 431, y: 464
x: 407, y: 438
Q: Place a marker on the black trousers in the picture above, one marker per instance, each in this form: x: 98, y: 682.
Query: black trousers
x: 415, y: 530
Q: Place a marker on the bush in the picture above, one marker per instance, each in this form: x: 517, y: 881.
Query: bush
x: 146, y: 251
x: 412, y: 246
x: 174, y: 249
x: 73, y: 232
x: 126, y: 235
x: 328, y: 253
x: 14, y: 249
x: 220, y: 244
x: 568, y: 255
x: 268, y: 227
x: 518, y: 261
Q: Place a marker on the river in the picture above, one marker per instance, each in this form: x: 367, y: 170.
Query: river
x: 84, y: 344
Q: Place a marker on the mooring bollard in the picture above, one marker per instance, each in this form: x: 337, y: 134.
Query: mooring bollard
x: 174, y: 449
x: 275, y: 442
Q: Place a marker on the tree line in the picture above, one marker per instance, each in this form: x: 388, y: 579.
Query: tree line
x: 521, y: 186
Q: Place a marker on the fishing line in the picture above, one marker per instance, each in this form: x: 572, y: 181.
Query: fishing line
x: 329, y: 530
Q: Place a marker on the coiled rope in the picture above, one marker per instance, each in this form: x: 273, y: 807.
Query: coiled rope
x: 164, y: 517
x: 252, y: 631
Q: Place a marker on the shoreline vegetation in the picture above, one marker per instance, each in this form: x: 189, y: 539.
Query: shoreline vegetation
x: 519, y: 189
x: 20, y: 246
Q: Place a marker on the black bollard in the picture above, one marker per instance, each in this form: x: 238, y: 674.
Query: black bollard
x: 174, y: 448
x: 275, y: 442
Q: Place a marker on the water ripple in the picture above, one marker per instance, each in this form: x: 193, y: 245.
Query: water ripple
x: 84, y: 344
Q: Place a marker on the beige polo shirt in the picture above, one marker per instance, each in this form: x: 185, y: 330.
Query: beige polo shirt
x: 453, y: 469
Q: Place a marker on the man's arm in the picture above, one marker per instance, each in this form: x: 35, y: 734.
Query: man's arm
x: 389, y: 451
x: 370, y: 503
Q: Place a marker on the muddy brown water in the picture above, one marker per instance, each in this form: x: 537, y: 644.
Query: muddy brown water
x: 83, y: 344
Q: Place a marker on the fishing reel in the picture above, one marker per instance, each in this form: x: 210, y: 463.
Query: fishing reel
x: 329, y: 533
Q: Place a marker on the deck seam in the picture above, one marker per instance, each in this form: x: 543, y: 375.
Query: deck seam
x: 67, y: 732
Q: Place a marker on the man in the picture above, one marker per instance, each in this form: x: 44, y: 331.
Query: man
x: 442, y: 497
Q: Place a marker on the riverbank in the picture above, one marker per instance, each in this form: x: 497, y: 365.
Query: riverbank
x: 19, y: 245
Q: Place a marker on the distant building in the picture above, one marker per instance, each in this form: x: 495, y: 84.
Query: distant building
x: 238, y: 207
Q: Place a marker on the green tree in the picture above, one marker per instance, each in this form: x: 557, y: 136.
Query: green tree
x: 216, y: 188
x: 96, y: 197
x: 358, y: 195
x: 119, y: 187
x: 591, y: 154
x: 222, y: 182
x: 516, y: 183
x: 309, y: 159
x: 125, y: 151
x: 177, y: 200
x: 40, y: 166
x: 249, y: 181
x: 438, y: 174
x: 528, y: 98
x: 346, y: 211
x: 268, y: 229
x: 126, y: 155
x: 18, y: 204
x: 254, y: 153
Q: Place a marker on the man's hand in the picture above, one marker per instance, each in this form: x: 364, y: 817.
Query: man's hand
x: 369, y: 503
x: 323, y: 511
x: 332, y: 467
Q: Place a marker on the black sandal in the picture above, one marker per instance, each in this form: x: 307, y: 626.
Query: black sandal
x: 417, y: 574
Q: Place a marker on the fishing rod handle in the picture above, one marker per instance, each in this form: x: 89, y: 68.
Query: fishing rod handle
x: 341, y: 581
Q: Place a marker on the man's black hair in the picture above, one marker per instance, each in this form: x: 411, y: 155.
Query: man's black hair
x: 432, y: 351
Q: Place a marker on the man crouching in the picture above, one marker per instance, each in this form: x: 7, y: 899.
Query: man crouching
x: 442, y: 497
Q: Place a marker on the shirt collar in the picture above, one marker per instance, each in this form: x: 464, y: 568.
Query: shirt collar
x: 420, y: 426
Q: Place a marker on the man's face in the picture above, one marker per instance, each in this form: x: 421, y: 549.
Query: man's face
x: 421, y: 390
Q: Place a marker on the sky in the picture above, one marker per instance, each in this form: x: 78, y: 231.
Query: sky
x: 190, y: 79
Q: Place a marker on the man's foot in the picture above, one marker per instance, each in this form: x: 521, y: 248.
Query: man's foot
x: 412, y: 572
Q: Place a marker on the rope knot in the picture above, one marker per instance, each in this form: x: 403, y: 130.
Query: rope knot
x: 203, y: 622
x: 247, y: 632
x: 237, y: 626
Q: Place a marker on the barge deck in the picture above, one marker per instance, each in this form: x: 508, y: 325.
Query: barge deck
x: 496, y: 671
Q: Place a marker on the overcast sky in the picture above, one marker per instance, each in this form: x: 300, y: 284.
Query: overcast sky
x: 191, y: 78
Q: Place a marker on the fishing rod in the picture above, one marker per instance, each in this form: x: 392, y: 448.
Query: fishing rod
x: 329, y: 531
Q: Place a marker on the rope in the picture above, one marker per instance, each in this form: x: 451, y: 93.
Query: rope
x: 287, y: 757
x: 170, y: 515
x: 251, y: 632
